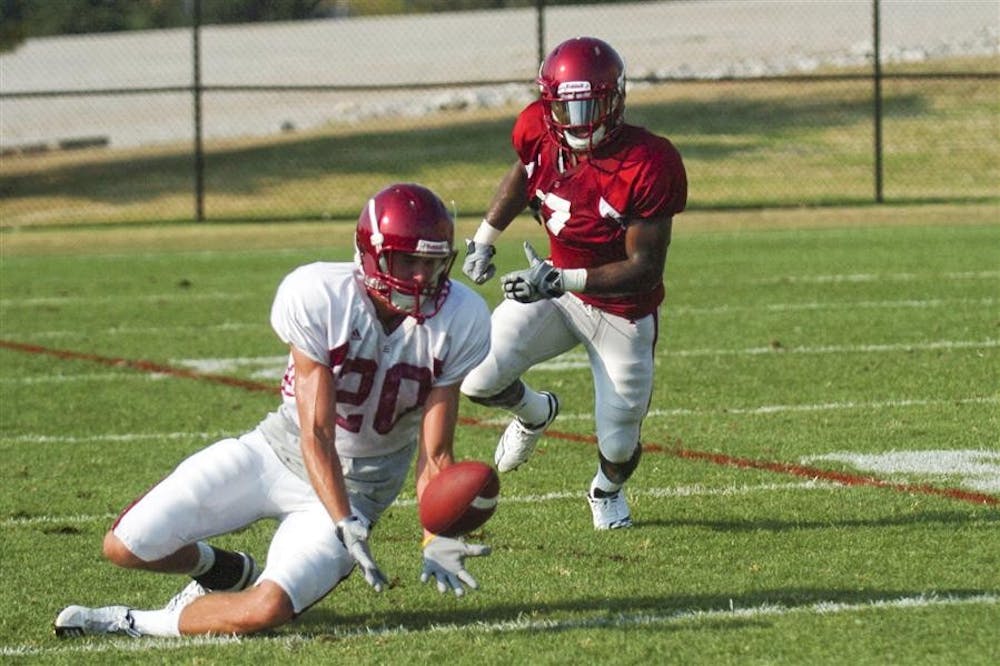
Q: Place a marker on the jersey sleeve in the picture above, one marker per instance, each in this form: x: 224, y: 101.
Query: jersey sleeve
x: 296, y: 313
x: 661, y: 187
x: 528, y: 132
x: 470, y: 338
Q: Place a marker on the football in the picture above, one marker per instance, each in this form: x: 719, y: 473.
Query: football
x: 460, y: 498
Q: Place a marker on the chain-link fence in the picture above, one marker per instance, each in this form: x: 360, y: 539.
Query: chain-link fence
x: 771, y: 102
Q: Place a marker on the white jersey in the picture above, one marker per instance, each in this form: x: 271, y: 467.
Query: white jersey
x: 382, y: 379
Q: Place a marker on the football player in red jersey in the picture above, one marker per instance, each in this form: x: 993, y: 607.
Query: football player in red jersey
x: 606, y: 193
x: 377, y: 350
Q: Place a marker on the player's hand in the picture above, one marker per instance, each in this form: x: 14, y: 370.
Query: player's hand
x: 353, y: 533
x: 444, y: 560
x: 540, y: 280
x: 478, y: 264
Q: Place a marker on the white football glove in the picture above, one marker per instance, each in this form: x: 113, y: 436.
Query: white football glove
x: 540, y: 280
x: 444, y: 559
x: 353, y: 533
x: 478, y: 264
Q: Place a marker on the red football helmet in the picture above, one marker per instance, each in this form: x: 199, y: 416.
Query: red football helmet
x: 405, y: 246
x: 582, y: 82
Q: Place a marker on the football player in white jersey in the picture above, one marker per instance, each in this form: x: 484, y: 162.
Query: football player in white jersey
x: 378, y: 349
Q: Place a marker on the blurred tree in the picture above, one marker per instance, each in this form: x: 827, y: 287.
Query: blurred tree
x: 11, y: 24
x: 251, y: 11
x: 22, y: 19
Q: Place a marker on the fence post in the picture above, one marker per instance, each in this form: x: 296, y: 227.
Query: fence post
x: 540, y: 23
x: 199, y: 157
x: 877, y: 77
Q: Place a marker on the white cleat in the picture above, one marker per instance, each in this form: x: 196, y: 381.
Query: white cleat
x: 610, y: 513
x: 518, y: 441
x: 75, y: 621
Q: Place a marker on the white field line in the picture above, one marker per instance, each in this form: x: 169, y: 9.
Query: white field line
x: 265, y: 367
x: 812, y: 306
x: 783, y: 409
x: 854, y: 278
x: 526, y: 623
x: 918, y: 304
x: 844, y: 349
x: 187, y: 295
x: 499, y: 421
x: 151, y: 330
x: 167, y: 297
x: 679, y: 491
x: 575, y: 360
x: 125, y: 437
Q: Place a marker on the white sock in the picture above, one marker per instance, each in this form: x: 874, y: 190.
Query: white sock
x: 603, y: 484
x: 533, y: 409
x: 206, y: 559
x: 156, y: 622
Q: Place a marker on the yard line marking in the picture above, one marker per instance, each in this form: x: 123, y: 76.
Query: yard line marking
x: 826, y: 475
x: 872, y: 277
x: 841, y: 349
x: 676, y: 450
x: 780, y: 409
x: 129, y: 298
x: 827, y: 305
x: 979, y: 470
x: 147, y: 330
x: 697, y: 490
x: 273, y: 366
x: 603, y: 619
x: 668, y: 310
x: 575, y: 360
x: 125, y: 437
x: 182, y: 294
x: 83, y: 377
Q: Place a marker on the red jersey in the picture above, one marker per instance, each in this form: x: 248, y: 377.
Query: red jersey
x: 586, y: 208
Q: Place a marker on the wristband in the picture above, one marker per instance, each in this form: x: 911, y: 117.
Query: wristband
x: 574, y: 279
x: 486, y: 234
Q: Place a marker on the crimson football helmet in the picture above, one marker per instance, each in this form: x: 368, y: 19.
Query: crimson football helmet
x: 405, y: 247
x: 582, y: 83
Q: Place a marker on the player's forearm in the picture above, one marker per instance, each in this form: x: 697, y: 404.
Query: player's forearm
x: 510, y: 198
x: 622, y: 277
x: 326, y: 475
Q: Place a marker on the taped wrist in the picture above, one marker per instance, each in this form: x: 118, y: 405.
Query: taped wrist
x: 486, y: 234
x: 573, y: 279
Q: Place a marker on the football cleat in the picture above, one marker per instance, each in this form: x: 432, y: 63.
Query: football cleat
x: 518, y: 441
x: 611, y: 512
x: 75, y: 621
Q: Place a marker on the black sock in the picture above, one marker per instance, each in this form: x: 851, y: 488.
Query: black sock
x: 226, y: 573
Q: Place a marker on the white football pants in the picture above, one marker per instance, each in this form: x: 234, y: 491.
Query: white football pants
x: 620, y: 354
x: 236, y: 482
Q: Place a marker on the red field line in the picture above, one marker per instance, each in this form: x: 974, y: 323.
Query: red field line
x: 677, y: 450
x: 151, y: 367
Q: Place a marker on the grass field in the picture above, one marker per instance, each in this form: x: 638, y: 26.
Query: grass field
x: 821, y: 482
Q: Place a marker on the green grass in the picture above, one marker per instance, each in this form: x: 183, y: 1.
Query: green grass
x: 744, y: 144
x: 786, y: 336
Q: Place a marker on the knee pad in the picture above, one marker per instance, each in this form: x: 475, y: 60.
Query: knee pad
x: 618, y: 429
x: 508, y: 397
x: 620, y: 472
